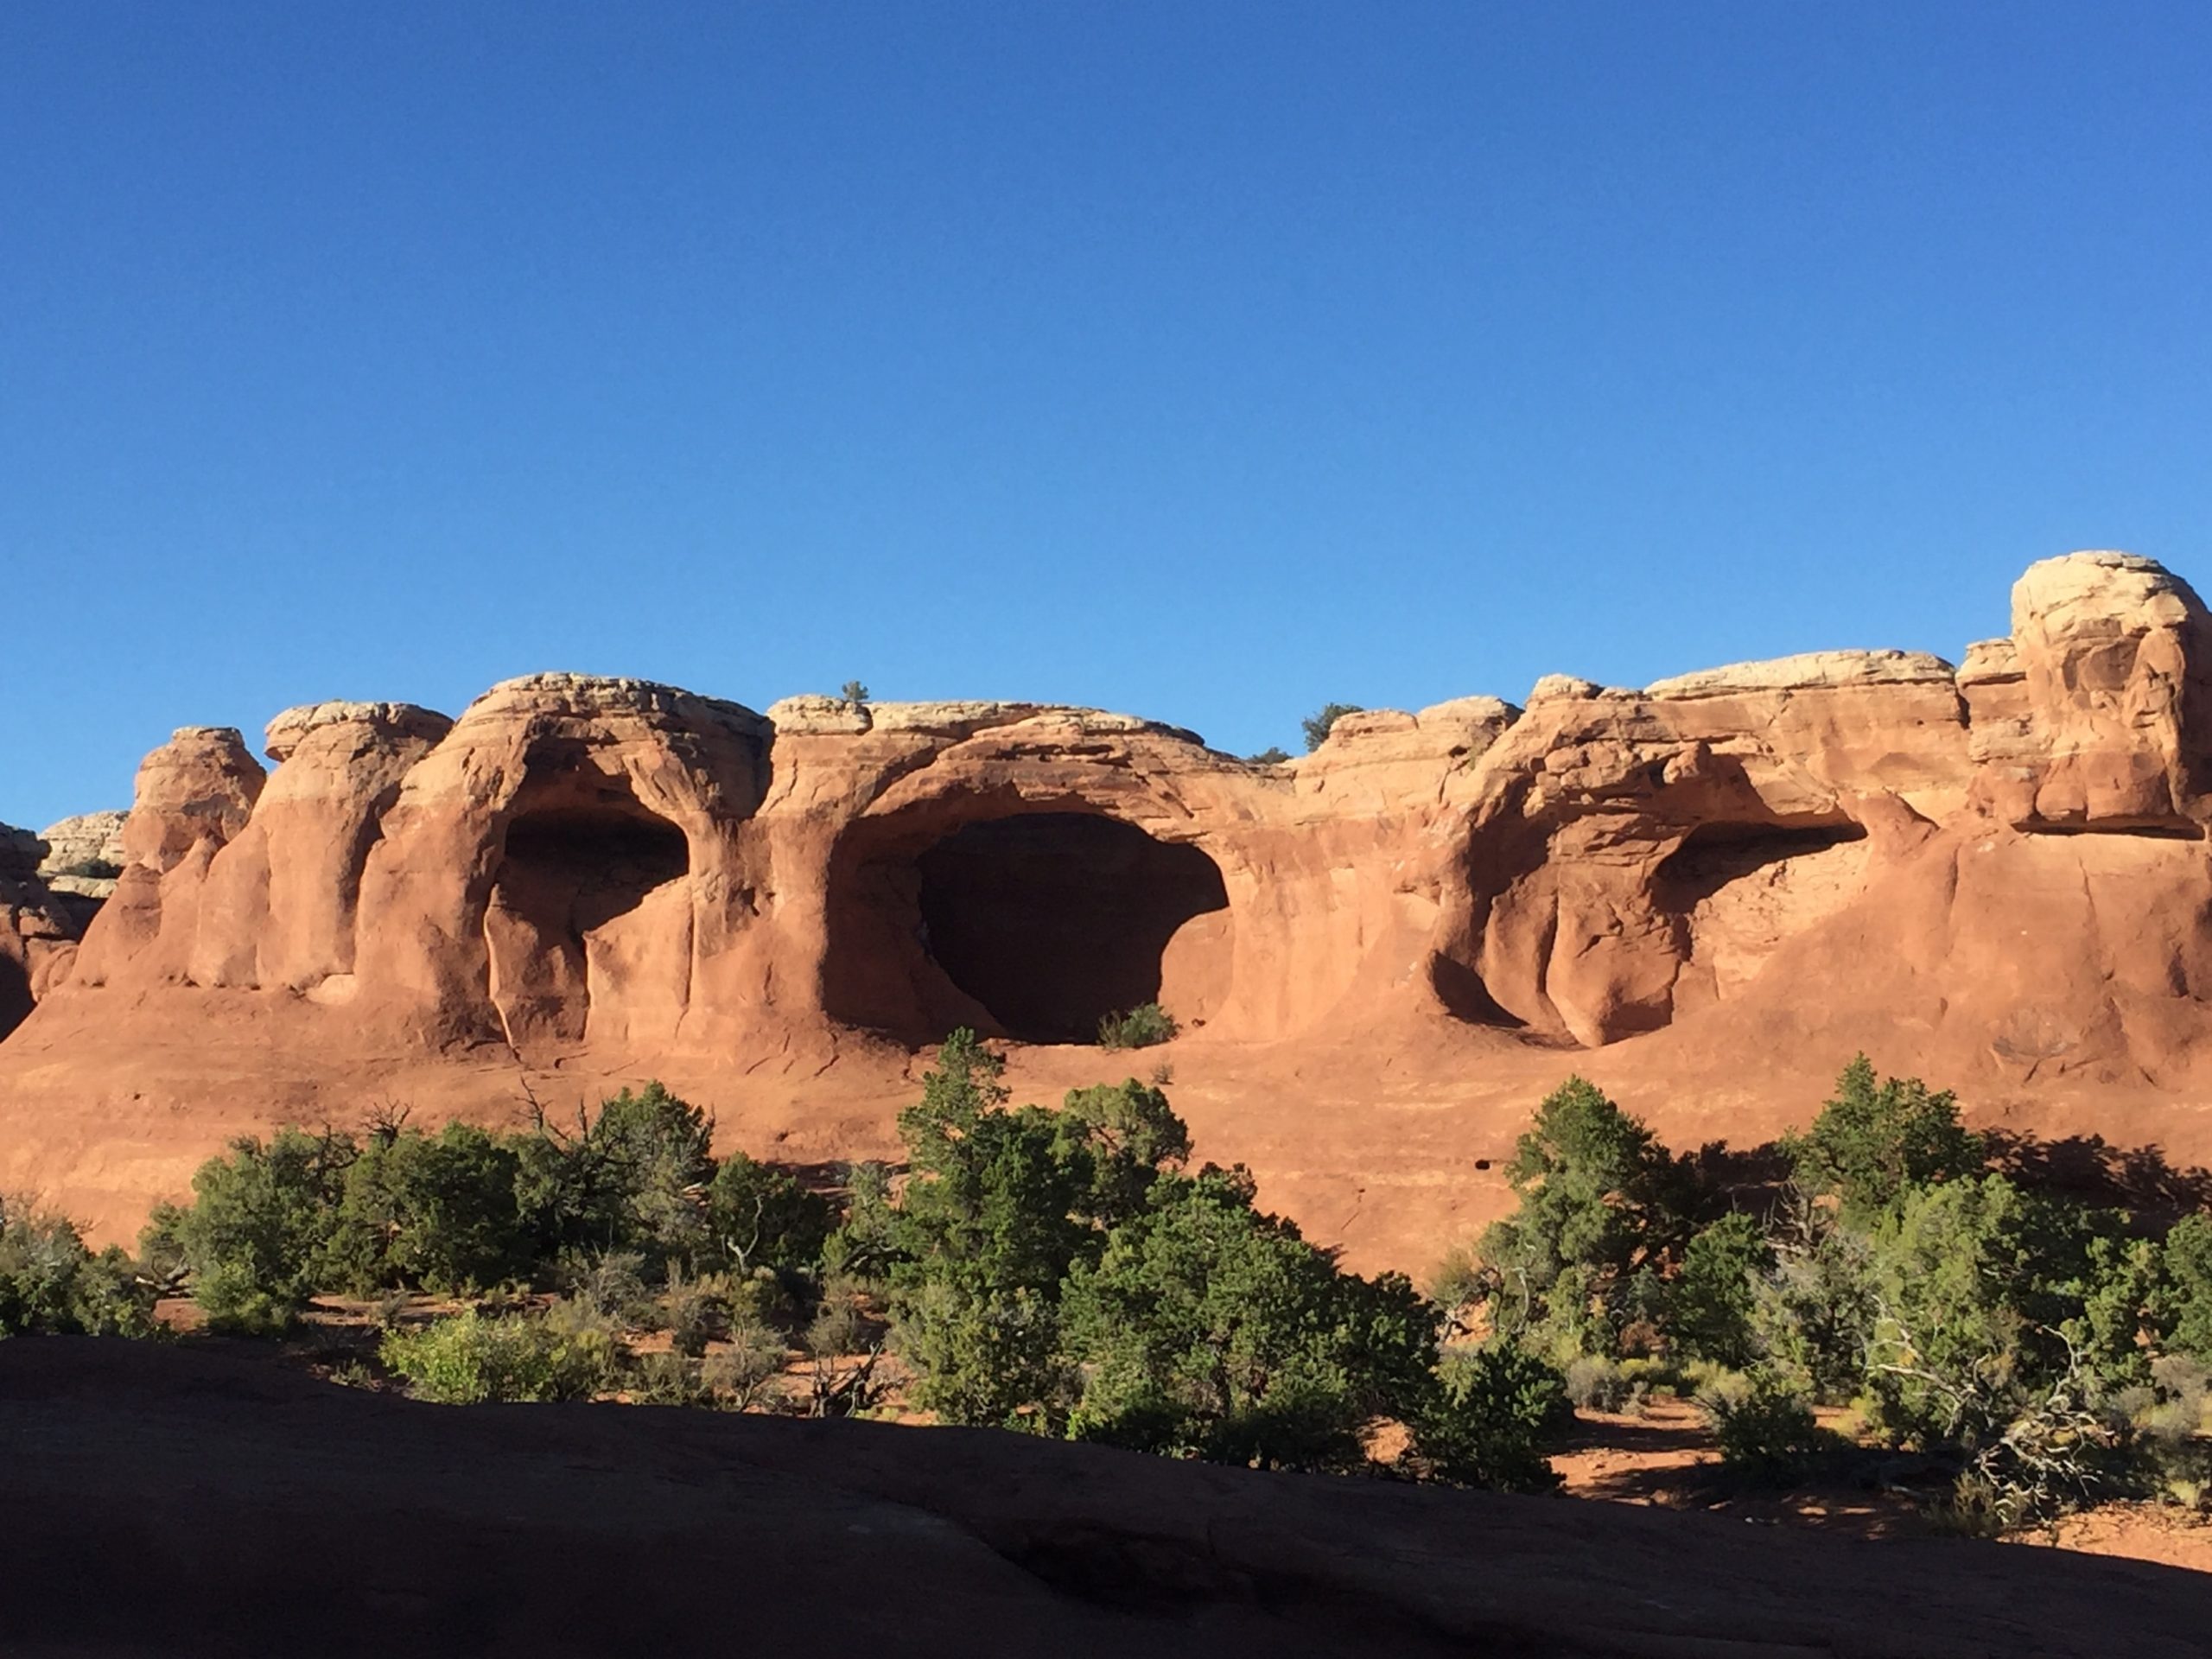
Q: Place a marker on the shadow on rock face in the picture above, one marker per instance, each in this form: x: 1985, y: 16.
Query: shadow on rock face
x: 569, y: 873
x: 15, y: 995
x: 1033, y: 926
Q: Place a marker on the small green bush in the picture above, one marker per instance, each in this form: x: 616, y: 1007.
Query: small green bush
x: 611, y: 1285
x: 1711, y: 1300
x: 632, y: 1177
x: 51, y: 1284
x: 1318, y: 725
x: 695, y: 1312
x: 1875, y: 1140
x: 669, y: 1378
x: 1140, y: 1027
x: 1489, y: 1416
x: 762, y: 1217
x: 433, y: 1211
x: 1596, y: 1383
x: 468, y: 1359
x: 258, y: 1234
x: 2186, y: 1257
x: 1768, y: 1432
x: 1459, y: 1284
x: 1208, y: 1329
x: 743, y: 1374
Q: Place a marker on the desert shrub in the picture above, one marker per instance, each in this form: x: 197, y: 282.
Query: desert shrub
x: 2183, y: 1385
x: 468, y: 1359
x: 1000, y: 1204
x: 1489, y: 1416
x: 1712, y: 1296
x: 51, y: 1284
x: 767, y: 1297
x: 1874, y: 1139
x: 112, y: 1297
x: 852, y: 694
x: 986, y: 1228
x: 93, y: 869
x: 694, y: 1311
x: 1318, y: 725
x: 2122, y: 1292
x: 1121, y: 1135
x: 761, y: 1215
x: 1457, y: 1284
x: 1597, y: 1383
x: 1767, y: 1431
x: 669, y: 1378
x: 864, y: 1242
x: 611, y: 1284
x: 841, y: 1348
x: 1978, y: 1286
x: 261, y: 1219
x: 1602, y: 1206
x: 743, y: 1374
x: 1140, y: 1027
x: 438, y: 1212
x: 1208, y: 1329
x: 632, y: 1177
x: 1813, y: 1313
x: 40, y: 1257
x: 2186, y: 1261
x: 1270, y: 756
x: 2046, y: 1453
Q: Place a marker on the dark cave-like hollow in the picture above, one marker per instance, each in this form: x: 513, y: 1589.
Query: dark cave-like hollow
x: 1715, y: 855
x: 567, y: 870
x: 1047, y: 921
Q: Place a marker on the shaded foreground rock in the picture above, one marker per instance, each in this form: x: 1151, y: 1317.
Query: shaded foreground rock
x: 1706, y: 895
x: 175, y: 1499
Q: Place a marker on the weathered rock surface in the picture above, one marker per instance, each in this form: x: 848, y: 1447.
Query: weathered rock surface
x: 38, y: 929
x: 167, y: 1499
x: 83, y: 853
x: 1706, y: 895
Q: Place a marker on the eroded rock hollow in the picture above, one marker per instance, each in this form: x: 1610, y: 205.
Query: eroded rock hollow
x: 1707, y: 893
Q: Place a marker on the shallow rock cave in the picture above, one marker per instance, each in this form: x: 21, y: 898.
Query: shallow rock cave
x: 1042, y: 922
x: 1738, y: 892
x: 1595, y: 964
x: 567, y: 869
x: 1715, y: 855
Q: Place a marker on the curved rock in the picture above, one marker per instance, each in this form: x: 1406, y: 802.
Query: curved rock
x: 83, y: 854
x: 1706, y: 894
x: 38, y: 929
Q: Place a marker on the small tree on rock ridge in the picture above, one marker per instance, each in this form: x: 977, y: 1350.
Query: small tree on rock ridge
x: 1318, y: 724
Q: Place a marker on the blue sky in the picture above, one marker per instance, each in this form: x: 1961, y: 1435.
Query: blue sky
x: 1208, y: 362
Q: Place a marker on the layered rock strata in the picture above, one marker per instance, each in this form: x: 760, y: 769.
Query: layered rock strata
x: 1729, y: 879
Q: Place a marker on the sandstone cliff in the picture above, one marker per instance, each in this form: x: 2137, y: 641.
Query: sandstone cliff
x: 38, y: 929
x: 1707, y: 894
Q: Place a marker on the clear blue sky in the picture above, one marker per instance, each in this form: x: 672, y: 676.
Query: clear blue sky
x: 1207, y: 361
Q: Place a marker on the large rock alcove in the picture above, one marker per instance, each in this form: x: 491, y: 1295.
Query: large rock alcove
x: 1740, y: 890
x: 1030, y: 926
x: 580, y: 869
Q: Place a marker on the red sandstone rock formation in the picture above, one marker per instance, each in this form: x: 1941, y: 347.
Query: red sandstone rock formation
x: 1707, y: 894
x: 39, y: 929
